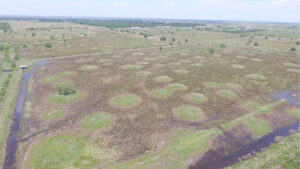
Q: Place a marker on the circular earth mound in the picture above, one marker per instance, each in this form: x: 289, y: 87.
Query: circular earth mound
x: 116, y: 56
x: 189, y: 112
x: 54, y: 114
x: 143, y: 73
x: 163, y: 79
x: 173, y: 87
x: 158, y: 66
x: 125, y: 101
x: 160, y: 93
x: 89, y: 67
x: 256, y: 77
x: 141, y: 63
x: 97, y: 120
x: 195, y: 98
x: 149, y: 59
x: 131, y: 67
x: 226, y: 94
x: 106, y: 61
x: 236, y: 66
x: 181, y: 71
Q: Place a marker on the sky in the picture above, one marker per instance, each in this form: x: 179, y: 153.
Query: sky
x: 243, y: 10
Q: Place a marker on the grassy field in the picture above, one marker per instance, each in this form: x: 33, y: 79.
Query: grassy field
x: 282, y: 154
x: 148, y: 102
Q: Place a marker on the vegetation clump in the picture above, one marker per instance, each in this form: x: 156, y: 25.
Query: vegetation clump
x: 189, y: 112
x: 125, y: 101
x: 97, y: 121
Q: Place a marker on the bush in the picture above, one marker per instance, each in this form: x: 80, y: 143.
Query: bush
x: 298, y: 43
x: 33, y: 34
x: 222, y: 45
x: 293, y: 49
x: 173, y: 39
x: 48, y: 45
x: 66, y: 90
x: 186, y: 40
x: 145, y: 36
x: 211, y: 50
x: 163, y: 38
x: 255, y: 44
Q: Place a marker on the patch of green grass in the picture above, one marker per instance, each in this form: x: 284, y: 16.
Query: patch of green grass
x: 195, y: 98
x: 256, y: 126
x: 293, y: 70
x: 89, y: 67
x: 174, y: 87
x: 116, y: 56
x: 190, y: 112
x: 291, y: 65
x: 106, y: 62
x: 143, y: 73
x: 66, y: 152
x: 196, y: 65
x: 183, y: 146
x: 142, y: 63
x: 236, y: 66
x: 138, y: 54
x: 163, y: 79
x: 283, y: 154
x: 97, y: 120
x: 149, y: 59
x: 63, y: 99
x: 226, y: 94
x: 54, y: 114
x: 160, y: 93
x: 256, y: 77
x: 175, y: 63
x: 125, y: 101
x: 57, y: 77
x: 131, y: 67
x: 294, y: 111
x: 181, y: 71
x: 241, y: 57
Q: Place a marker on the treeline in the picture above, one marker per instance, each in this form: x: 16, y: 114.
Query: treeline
x: 122, y: 23
x: 4, y: 26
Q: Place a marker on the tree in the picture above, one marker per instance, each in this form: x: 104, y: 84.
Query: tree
x: 163, y: 38
x: 222, y: 45
x: 48, y: 45
x: 160, y: 48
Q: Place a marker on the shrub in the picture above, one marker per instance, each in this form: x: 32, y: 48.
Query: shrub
x: 173, y: 39
x: 293, y: 49
x: 163, y: 38
x: 48, y: 45
x: 255, y: 44
x: 222, y: 45
x: 298, y: 43
x: 186, y: 40
x: 66, y: 90
x: 33, y: 34
x: 211, y: 50
x: 145, y: 36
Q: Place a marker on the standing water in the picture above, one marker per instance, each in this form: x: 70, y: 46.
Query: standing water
x: 12, y: 141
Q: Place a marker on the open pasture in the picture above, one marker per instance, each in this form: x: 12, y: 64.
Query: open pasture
x: 156, y: 108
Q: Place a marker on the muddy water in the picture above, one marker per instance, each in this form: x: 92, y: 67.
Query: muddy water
x: 215, y: 160
x: 12, y: 141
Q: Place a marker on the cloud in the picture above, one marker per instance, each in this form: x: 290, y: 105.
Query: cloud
x: 279, y: 2
x: 121, y: 4
x: 168, y: 3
